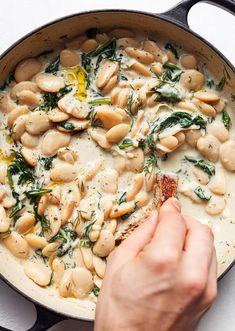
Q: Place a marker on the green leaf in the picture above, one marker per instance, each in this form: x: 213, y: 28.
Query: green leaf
x: 210, y: 83
x: 85, y: 242
x: 172, y: 48
x: 37, y: 192
x: 166, y: 92
x: 122, y: 198
x: 184, y: 119
x: 100, y: 101
x: 150, y: 141
x: 21, y: 168
x: 53, y: 67
x: 47, y: 161
x: 203, y: 164
x: 15, y: 210
x: 226, y: 120
x: 201, y: 194
x: 126, y: 143
x: 5, y: 234
x: 95, y: 290
x: 220, y: 85
x: 67, y: 125
x: 106, y: 50
x: 150, y: 164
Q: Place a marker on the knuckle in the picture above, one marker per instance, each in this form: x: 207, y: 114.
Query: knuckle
x: 167, y: 261
x: 194, y: 284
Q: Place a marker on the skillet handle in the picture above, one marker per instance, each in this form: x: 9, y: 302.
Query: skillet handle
x: 179, y: 13
x: 45, y: 319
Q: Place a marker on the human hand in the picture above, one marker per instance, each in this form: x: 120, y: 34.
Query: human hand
x: 161, y: 278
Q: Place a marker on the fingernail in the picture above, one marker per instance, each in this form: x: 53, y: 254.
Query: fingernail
x: 175, y: 202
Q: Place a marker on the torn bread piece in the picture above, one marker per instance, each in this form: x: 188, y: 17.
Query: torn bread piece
x: 165, y: 188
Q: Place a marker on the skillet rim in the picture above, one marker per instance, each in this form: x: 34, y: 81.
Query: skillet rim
x: 162, y: 16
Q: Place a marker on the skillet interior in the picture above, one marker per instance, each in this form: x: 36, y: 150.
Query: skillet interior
x: 47, y: 38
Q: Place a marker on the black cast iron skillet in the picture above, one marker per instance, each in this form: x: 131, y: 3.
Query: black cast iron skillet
x: 177, y: 15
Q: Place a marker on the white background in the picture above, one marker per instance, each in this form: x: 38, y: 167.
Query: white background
x: 20, y: 17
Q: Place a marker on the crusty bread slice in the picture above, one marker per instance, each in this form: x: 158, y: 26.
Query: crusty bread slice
x: 165, y: 188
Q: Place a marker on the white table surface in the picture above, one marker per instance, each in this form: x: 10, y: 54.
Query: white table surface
x: 20, y: 17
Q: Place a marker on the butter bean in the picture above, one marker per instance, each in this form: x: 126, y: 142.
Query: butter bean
x: 117, y: 133
x: 26, y: 69
x: 216, y: 205
x: 82, y: 282
x: 53, y: 140
x: 89, y: 45
x: 15, y: 113
x: 6, y: 104
x: 40, y: 274
x: 188, y: 61
x: 64, y: 173
x: 209, y: 147
x: 37, y: 123
x: 23, y: 86
x: 69, y: 58
x: 29, y: 156
x: 105, y: 244
x: 17, y: 245
x: 106, y: 71
x: 28, y: 140
x: 227, y: 155
x: 192, y: 80
x: 25, y: 223
x: 99, y: 266
x: 124, y: 208
x: 49, y: 83
x: 35, y: 241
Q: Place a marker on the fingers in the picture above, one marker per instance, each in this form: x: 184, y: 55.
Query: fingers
x: 171, y: 230
x: 211, y: 290
x: 199, y: 245
x: 134, y: 244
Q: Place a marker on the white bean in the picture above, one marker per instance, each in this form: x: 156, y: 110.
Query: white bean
x: 64, y: 173
x: 39, y: 273
x: 29, y: 98
x: 106, y: 71
x: 216, y: 205
x: 35, y: 241
x: 23, y: 86
x: 109, y: 180
x: 69, y: 58
x: 98, y: 135
x: 25, y: 223
x: 53, y: 140
x: 219, y: 131
x: 6, y: 104
x: 87, y: 257
x: 29, y: 156
x: 124, y: 208
x: 37, y: 123
x: 49, y: 83
x: 17, y: 245
x: 15, y: 113
x: 105, y: 244
x: 108, y: 117
x: 117, y: 133
x: 136, y: 163
x: 192, y: 80
x: 19, y: 127
x: 99, y: 266
x: 26, y: 69
x: 4, y: 220
x: 227, y: 155
x: 188, y: 61
x: 192, y: 137
x: 217, y: 183
x: 209, y: 147
x: 201, y: 175
x: 28, y: 140
x: 136, y: 187
x: 82, y: 282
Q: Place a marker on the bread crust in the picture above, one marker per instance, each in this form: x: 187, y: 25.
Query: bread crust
x: 165, y: 188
